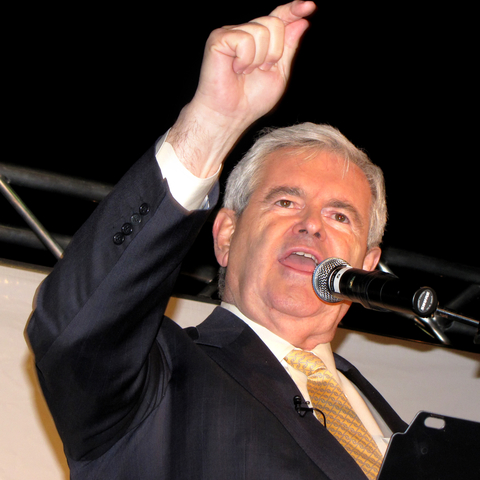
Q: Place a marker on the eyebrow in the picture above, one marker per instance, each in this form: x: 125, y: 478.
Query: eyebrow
x: 284, y: 190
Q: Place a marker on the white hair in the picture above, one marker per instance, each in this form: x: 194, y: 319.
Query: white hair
x: 244, y: 177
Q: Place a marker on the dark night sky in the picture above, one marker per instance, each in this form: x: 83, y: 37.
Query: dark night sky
x: 103, y: 85
x: 98, y: 86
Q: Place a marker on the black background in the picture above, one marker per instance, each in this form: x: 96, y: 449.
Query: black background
x: 91, y: 88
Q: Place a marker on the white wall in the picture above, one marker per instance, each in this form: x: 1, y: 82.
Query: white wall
x: 411, y: 376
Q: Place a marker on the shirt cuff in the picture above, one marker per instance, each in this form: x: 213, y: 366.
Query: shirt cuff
x: 188, y: 190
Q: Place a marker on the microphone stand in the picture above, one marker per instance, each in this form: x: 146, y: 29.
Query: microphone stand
x: 444, y: 320
x: 458, y: 323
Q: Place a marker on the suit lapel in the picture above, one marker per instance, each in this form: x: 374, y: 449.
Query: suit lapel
x: 240, y: 352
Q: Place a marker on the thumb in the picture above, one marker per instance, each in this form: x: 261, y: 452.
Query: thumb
x: 294, y: 11
x: 293, y: 16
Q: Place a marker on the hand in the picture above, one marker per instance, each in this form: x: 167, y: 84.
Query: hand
x: 246, y: 67
x: 244, y: 74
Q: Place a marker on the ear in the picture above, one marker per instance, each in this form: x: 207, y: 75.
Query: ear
x: 223, y: 229
x: 372, y: 258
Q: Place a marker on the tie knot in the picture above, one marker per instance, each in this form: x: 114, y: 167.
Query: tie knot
x: 306, y: 362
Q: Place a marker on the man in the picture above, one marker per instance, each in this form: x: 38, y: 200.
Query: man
x: 134, y: 396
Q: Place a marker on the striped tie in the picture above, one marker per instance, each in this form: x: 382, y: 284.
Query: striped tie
x: 342, y: 421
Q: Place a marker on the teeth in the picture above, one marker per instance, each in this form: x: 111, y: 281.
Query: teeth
x: 308, y: 255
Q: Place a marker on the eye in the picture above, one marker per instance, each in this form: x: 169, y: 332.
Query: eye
x: 340, y: 217
x: 284, y: 203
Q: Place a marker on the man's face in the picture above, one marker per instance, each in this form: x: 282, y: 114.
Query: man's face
x: 303, y: 211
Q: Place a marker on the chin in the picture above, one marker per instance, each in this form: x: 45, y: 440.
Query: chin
x: 302, y: 306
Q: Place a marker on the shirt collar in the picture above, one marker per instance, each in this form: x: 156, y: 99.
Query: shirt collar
x: 277, y: 345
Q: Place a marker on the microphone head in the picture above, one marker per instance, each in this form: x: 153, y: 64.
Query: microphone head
x: 321, y: 278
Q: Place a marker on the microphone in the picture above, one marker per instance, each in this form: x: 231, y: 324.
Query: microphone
x: 302, y: 411
x: 335, y: 280
x: 297, y: 402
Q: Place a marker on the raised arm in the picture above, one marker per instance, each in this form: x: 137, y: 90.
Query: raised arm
x: 99, y: 312
x: 244, y: 74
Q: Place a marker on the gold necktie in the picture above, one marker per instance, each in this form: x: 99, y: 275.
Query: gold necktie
x: 342, y: 421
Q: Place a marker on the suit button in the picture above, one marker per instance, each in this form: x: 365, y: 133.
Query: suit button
x: 144, y: 208
x: 127, y: 228
x: 136, y: 219
x: 118, y: 238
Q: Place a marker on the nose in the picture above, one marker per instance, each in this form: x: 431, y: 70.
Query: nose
x: 310, y: 224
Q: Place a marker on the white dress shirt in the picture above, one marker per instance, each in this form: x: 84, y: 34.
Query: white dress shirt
x: 191, y: 193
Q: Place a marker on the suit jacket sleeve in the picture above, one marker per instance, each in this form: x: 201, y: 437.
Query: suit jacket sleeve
x: 98, y: 313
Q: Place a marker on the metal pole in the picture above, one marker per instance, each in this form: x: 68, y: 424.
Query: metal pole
x: 53, y: 182
x: 30, y: 218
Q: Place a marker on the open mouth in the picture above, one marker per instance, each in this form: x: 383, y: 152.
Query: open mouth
x: 305, y: 262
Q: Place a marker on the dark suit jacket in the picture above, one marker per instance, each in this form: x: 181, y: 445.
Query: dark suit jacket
x: 136, y: 397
